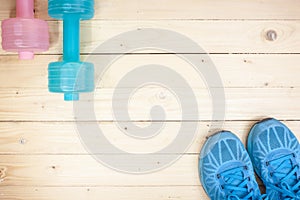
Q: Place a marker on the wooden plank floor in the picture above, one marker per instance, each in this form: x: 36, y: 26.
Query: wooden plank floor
x: 41, y: 154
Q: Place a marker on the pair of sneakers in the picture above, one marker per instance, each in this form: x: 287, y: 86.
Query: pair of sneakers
x: 226, y: 167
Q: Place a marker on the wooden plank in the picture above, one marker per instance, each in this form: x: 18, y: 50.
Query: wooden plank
x: 111, y: 193
x: 241, y: 104
x: 37, y: 138
x: 168, y: 9
x: 236, y: 71
x: 83, y: 170
x: 213, y: 36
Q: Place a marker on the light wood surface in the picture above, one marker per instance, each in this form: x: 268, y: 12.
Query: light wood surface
x: 236, y: 71
x: 241, y: 104
x: 114, y: 193
x: 190, y: 9
x: 214, y: 36
x: 41, y: 153
x: 61, y: 138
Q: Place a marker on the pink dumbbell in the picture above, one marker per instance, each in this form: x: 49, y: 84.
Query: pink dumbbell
x: 25, y: 34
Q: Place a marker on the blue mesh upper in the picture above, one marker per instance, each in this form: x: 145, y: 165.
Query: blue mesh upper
x: 274, y: 151
x: 225, y: 169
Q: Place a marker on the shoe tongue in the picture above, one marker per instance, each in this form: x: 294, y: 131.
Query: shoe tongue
x: 285, y: 171
x: 237, y: 182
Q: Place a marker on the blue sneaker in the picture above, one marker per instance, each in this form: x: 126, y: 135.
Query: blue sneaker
x: 226, y: 170
x: 275, y: 154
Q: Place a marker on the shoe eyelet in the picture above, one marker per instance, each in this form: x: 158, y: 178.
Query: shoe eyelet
x: 267, y: 163
x: 218, y: 176
x: 271, y: 174
x: 249, y: 179
x: 245, y: 167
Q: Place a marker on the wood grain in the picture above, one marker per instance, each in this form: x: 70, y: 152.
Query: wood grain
x: 236, y: 71
x: 213, y: 36
x: 169, y: 9
x: 84, y: 170
x: 241, y: 104
x: 62, y: 138
x: 93, y: 193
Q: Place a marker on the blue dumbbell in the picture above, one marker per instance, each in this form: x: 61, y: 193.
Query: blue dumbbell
x: 71, y: 76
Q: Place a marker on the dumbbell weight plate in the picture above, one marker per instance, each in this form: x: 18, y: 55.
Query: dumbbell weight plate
x: 84, y: 9
x: 73, y: 77
x: 25, y: 35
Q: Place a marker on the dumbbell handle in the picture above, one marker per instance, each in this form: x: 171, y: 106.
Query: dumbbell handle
x: 25, y: 9
x: 71, y: 48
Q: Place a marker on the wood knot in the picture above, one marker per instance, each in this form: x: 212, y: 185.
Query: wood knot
x: 3, y: 171
x: 271, y: 35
